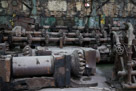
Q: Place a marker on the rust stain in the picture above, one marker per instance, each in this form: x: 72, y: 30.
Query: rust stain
x: 8, y: 70
x: 58, y: 58
x: 62, y: 70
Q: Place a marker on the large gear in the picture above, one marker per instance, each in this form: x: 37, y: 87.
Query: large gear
x: 78, y: 63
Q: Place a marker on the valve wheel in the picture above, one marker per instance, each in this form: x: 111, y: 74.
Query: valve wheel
x: 119, y: 50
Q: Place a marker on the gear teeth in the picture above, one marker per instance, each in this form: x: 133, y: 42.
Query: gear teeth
x: 79, y: 52
x: 82, y: 64
x: 81, y: 72
x: 80, y: 55
x: 81, y: 60
x: 27, y: 48
x: 27, y: 52
x: 82, y: 68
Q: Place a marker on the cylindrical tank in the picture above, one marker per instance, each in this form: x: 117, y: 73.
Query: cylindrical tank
x: 32, y: 66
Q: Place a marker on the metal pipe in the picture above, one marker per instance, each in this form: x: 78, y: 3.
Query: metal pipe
x: 116, y: 37
x: 124, y: 73
x: 89, y: 39
x: 130, y: 34
x: 71, y: 39
x: 19, y: 38
x: 54, y: 39
x: 38, y: 39
x: 64, y: 27
x: 32, y: 66
x: 50, y: 33
x: 129, y: 66
x: 26, y: 32
x: 122, y: 64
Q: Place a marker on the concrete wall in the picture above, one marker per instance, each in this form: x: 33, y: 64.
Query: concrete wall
x: 70, y: 8
x: 119, y: 8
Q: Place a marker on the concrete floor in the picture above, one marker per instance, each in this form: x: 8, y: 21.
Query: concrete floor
x: 77, y: 89
x: 102, y: 73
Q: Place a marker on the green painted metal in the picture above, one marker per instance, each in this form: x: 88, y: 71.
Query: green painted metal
x: 76, y: 21
x: 5, y: 20
x: 34, y: 11
x: 94, y: 22
x: 52, y: 20
x: 94, y: 8
x: 47, y: 21
x: 79, y: 21
x: 14, y: 3
x: 42, y: 21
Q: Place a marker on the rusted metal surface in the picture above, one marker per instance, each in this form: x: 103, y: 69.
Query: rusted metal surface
x: 50, y: 33
x: 5, y: 66
x: 62, y: 73
x: 40, y: 82
x: 43, y: 53
x: 3, y: 70
x: 34, y: 83
x: 125, y: 58
x: 32, y: 66
x: 124, y: 73
x: 84, y: 83
x: 63, y: 36
x: 47, y: 71
x: 129, y: 65
x: 55, y: 70
x: 78, y: 63
x: 55, y: 39
x: 61, y: 42
x: 24, y: 22
x: 90, y: 57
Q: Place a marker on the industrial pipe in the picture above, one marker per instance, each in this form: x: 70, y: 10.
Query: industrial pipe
x: 32, y: 66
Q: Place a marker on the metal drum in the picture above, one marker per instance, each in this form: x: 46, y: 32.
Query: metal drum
x: 32, y: 66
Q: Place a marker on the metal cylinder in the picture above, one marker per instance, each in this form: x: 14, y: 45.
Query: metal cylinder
x: 71, y: 39
x: 124, y: 73
x: 32, y: 66
x: 50, y: 33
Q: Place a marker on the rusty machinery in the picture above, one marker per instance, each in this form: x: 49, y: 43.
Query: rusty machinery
x: 120, y: 50
x: 63, y: 36
x: 46, y: 35
x: 124, y: 51
x: 44, y: 68
x: 40, y: 68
